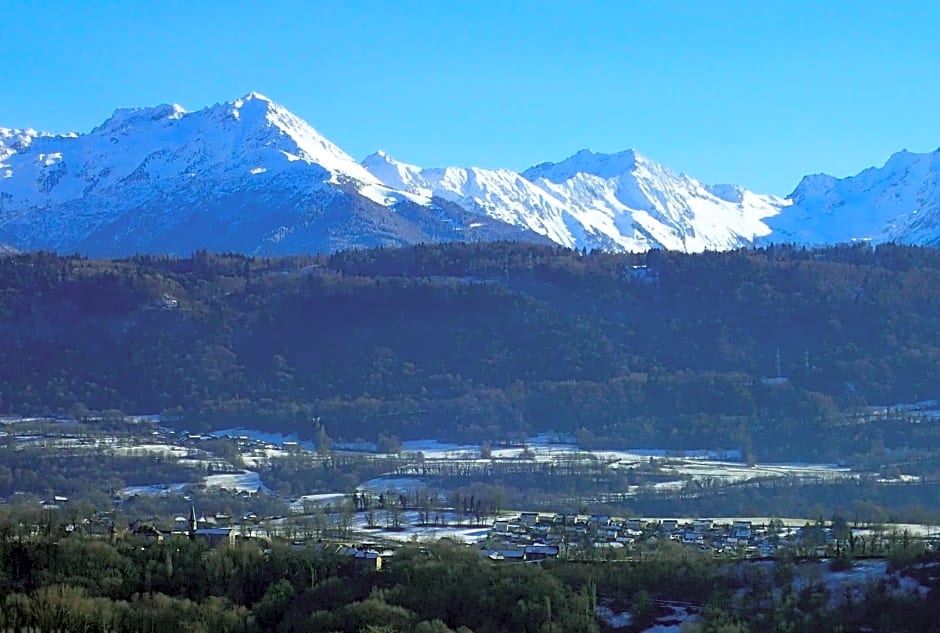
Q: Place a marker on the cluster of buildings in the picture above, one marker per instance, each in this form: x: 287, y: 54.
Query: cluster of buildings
x: 531, y: 535
x: 197, y: 529
x: 365, y: 556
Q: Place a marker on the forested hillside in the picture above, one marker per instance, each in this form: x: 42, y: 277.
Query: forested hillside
x: 486, y: 341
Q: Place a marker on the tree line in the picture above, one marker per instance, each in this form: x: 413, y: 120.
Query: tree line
x: 767, y: 349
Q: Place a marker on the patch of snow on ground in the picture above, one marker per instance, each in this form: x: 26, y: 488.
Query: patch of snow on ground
x: 259, y: 457
x: 695, y: 464
x: 914, y: 529
x: 669, y: 485
x: 545, y: 446
x: 433, y: 449
x: 433, y: 533
x: 411, y: 531
x: 164, y: 450
x: 857, y: 576
x: 13, y: 419
x: 245, y: 481
x: 900, y: 479
x: 395, y: 484
x: 356, y: 447
x: 613, y: 619
x: 262, y: 436
x: 155, y: 490
x: 323, y: 499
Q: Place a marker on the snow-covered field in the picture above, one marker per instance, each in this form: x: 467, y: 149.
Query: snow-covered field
x: 156, y: 490
x: 701, y: 465
x: 395, y: 484
x: 263, y: 436
x: 411, y: 531
x: 709, y: 466
x: 914, y: 529
x: 736, y: 471
x: 163, y: 450
x: 546, y: 447
x: 322, y: 499
x: 245, y: 481
x: 258, y: 458
x: 673, y: 470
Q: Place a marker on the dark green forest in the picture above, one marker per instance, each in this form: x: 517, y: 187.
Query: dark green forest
x: 489, y: 342
x: 80, y: 584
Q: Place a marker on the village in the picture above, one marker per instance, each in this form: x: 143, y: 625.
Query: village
x: 535, y: 536
x: 525, y: 536
x: 238, y: 489
x: 369, y: 512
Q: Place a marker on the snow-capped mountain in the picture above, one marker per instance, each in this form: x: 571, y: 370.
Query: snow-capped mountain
x: 639, y: 204
x: 626, y: 201
x: 618, y: 201
x: 246, y: 175
x: 499, y: 193
x: 250, y: 176
x: 897, y: 202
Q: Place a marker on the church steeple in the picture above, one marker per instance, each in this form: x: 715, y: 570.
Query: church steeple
x: 193, y: 523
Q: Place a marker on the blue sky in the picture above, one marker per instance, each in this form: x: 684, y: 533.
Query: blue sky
x: 757, y: 93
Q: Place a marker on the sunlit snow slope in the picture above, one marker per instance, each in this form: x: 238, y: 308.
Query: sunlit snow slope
x: 615, y: 201
x: 245, y: 176
x: 897, y: 202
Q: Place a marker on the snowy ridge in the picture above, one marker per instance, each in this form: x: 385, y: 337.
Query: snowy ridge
x: 250, y: 176
x: 245, y: 175
x: 897, y: 202
x: 642, y: 204
x: 618, y: 201
x: 500, y: 194
x: 165, y: 144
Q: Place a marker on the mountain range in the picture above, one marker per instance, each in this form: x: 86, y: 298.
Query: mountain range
x: 250, y: 176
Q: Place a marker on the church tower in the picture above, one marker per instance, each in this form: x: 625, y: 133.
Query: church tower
x: 193, y: 523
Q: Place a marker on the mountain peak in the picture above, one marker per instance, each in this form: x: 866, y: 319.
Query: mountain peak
x: 899, y: 201
x: 628, y: 154
x: 268, y: 124
x: 586, y: 161
x: 255, y: 101
x: 920, y: 163
x: 256, y: 96
x: 126, y: 120
x: 253, y: 108
x: 378, y: 156
x: 164, y: 144
x: 814, y: 186
x: 394, y: 173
